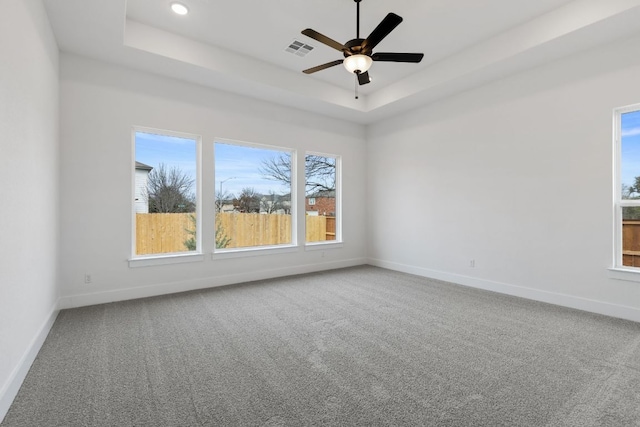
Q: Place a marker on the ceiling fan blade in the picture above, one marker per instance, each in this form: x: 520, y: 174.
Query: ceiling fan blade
x: 397, y: 57
x: 383, y: 29
x: 363, y: 78
x: 323, y: 66
x: 324, y: 39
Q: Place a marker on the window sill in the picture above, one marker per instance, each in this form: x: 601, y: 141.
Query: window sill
x: 322, y: 246
x: 165, y: 260
x: 629, y: 274
x: 253, y: 251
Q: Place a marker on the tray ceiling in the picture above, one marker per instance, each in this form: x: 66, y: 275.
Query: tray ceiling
x: 240, y: 46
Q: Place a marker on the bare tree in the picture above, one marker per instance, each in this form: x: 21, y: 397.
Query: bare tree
x: 320, y: 172
x: 170, y: 190
x: 277, y: 169
x: 271, y: 203
x: 248, y: 201
x: 222, y: 199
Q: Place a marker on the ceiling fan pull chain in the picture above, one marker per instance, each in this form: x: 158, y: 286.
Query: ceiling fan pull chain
x: 356, y: 85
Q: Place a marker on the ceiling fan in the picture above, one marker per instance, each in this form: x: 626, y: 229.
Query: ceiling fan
x: 358, y: 53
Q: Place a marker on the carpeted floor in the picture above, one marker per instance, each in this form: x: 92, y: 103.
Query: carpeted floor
x: 361, y: 346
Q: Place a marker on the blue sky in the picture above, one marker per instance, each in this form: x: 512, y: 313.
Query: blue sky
x: 630, y: 134
x: 238, y: 166
x: 152, y: 149
x: 172, y: 151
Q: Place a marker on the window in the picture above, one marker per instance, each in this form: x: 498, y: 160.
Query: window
x: 253, y: 198
x: 322, y: 204
x: 165, y: 193
x: 627, y: 187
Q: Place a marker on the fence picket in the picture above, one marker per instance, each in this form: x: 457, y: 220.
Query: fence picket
x: 159, y: 233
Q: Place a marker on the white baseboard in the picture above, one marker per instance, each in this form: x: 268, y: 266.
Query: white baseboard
x: 593, y: 306
x: 81, y: 300
x: 11, y: 387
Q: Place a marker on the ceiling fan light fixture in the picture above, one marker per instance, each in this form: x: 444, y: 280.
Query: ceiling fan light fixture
x: 358, y: 63
x: 358, y: 53
x: 179, y: 8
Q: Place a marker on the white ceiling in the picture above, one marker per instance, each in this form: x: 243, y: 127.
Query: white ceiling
x: 239, y: 46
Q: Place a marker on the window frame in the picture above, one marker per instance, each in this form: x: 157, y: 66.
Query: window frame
x: 197, y: 255
x: 297, y: 209
x: 267, y: 249
x: 338, y: 242
x: 618, y: 270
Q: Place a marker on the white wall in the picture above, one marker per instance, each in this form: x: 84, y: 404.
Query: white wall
x: 99, y: 105
x: 29, y: 183
x: 516, y: 175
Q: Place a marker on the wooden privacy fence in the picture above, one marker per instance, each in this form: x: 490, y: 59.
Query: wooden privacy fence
x: 159, y: 233
x: 254, y: 229
x: 330, y: 232
x: 631, y: 242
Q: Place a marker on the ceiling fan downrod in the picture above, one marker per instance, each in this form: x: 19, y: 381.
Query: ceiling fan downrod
x: 357, y: 18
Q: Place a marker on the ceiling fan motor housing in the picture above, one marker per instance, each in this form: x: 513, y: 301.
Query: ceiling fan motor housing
x: 355, y: 47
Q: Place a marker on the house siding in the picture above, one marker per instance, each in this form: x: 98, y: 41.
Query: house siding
x: 140, y: 198
x: 323, y: 205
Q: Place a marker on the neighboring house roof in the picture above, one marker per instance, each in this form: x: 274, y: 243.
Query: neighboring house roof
x: 142, y: 166
x: 276, y: 196
x: 323, y: 193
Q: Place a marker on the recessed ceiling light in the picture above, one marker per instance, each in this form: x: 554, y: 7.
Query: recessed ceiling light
x: 179, y: 8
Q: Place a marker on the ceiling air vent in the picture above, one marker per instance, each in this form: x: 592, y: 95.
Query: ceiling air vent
x: 299, y: 48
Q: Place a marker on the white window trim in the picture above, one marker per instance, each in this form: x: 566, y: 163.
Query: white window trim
x: 175, y: 257
x: 321, y: 246
x: 253, y: 251
x: 262, y: 250
x: 165, y: 259
x: 619, y: 271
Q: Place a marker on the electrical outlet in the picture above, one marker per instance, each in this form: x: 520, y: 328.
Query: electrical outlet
x: 87, y: 279
x: 472, y: 263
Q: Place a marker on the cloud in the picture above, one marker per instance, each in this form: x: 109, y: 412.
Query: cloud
x: 631, y: 132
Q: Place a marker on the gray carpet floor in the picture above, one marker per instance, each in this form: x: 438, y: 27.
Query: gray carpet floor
x: 361, y: 346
